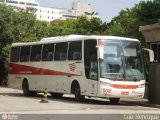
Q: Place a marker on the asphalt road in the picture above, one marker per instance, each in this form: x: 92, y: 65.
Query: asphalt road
x: 12, y: 102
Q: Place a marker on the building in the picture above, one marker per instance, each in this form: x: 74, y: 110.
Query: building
x: 42, y: 13
x: 49, y: 14
x: 21, y: 3
x: 151, y: 34
x: 84, y: 9
x: 68, y: 14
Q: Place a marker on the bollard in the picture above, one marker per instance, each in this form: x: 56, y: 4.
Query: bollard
x: 45, y: 96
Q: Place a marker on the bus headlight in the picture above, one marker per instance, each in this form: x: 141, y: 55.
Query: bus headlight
x: 106, y: 84
x: 141, y: 86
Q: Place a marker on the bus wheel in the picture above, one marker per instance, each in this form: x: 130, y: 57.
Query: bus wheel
x: 114, y: 100
x: 25, y: 87
x: 57, y: 95
x: 77, y: 93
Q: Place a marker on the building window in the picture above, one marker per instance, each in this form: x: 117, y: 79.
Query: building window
x: 156, y: 48
x: 1, y: 0
x: 32, y: 4
x: 22, y: 3
x: 11, y: 1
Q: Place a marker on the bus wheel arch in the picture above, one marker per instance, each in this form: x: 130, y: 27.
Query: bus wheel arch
x: 76, y: 90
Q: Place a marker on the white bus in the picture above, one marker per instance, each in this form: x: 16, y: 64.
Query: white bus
x: 94, y: 66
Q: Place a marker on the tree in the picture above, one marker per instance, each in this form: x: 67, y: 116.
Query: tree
x: 18, y: 25
x: 149, y: 12
x: 128, y: 21
x: 80, y: 25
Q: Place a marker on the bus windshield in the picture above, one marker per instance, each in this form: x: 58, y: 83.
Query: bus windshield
x: 122, y: 61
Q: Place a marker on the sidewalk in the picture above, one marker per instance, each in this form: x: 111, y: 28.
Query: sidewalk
x: 141, y: 102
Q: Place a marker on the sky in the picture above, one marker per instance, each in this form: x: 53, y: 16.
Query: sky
x: 107, y: 9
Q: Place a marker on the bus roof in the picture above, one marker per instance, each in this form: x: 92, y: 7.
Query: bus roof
x: 72, y: 38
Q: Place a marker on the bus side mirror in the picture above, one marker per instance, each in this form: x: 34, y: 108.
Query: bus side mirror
x: 151, y: 54
x: 100, y: 52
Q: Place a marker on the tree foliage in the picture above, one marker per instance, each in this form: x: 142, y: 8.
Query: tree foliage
x: 128, y: 21
x: 17, y: 26
x: 81, y: 25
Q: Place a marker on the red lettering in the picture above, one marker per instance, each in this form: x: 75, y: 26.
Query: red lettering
x: 107, y: 91
x: 124, y: 93
x: 138, y: 93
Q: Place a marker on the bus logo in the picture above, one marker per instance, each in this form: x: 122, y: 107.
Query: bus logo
x: 72, y: 67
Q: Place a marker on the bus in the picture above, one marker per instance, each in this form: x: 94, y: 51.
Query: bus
x: 95, y: 66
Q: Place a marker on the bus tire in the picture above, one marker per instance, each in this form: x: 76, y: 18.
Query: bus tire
x: 77, y: 93
x: 25, y: 88
x: 114, y: 100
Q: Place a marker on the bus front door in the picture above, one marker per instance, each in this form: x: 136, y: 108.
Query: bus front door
x: 93, y: 78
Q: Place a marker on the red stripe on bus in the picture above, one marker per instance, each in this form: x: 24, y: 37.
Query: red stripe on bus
x: 24, y: 69
x: 124, y: 86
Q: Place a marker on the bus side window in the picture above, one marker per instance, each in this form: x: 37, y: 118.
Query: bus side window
x: 36, y: 53
x: 75, y: 50
x: 61, y: 51
x: 25, y: 53
x: 47, y: 54
x: 15, y: 54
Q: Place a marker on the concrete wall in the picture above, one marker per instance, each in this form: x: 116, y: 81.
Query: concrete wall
x: 151, y: 32
x: 154, y: 83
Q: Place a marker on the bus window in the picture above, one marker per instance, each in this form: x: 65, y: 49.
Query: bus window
x: 75, y: 50
x: 90, y: 61
x: 15, y: 54
x: 61, y: 51
x: 25, y: 53
x: 36, y: 53
x: 47, y: 54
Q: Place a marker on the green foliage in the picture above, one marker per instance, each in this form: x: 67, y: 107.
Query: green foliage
x: 149, y: 12
x: 81, y: 25
x: 62, y: 27
x: 18, y: 25
x: 128, y: 21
